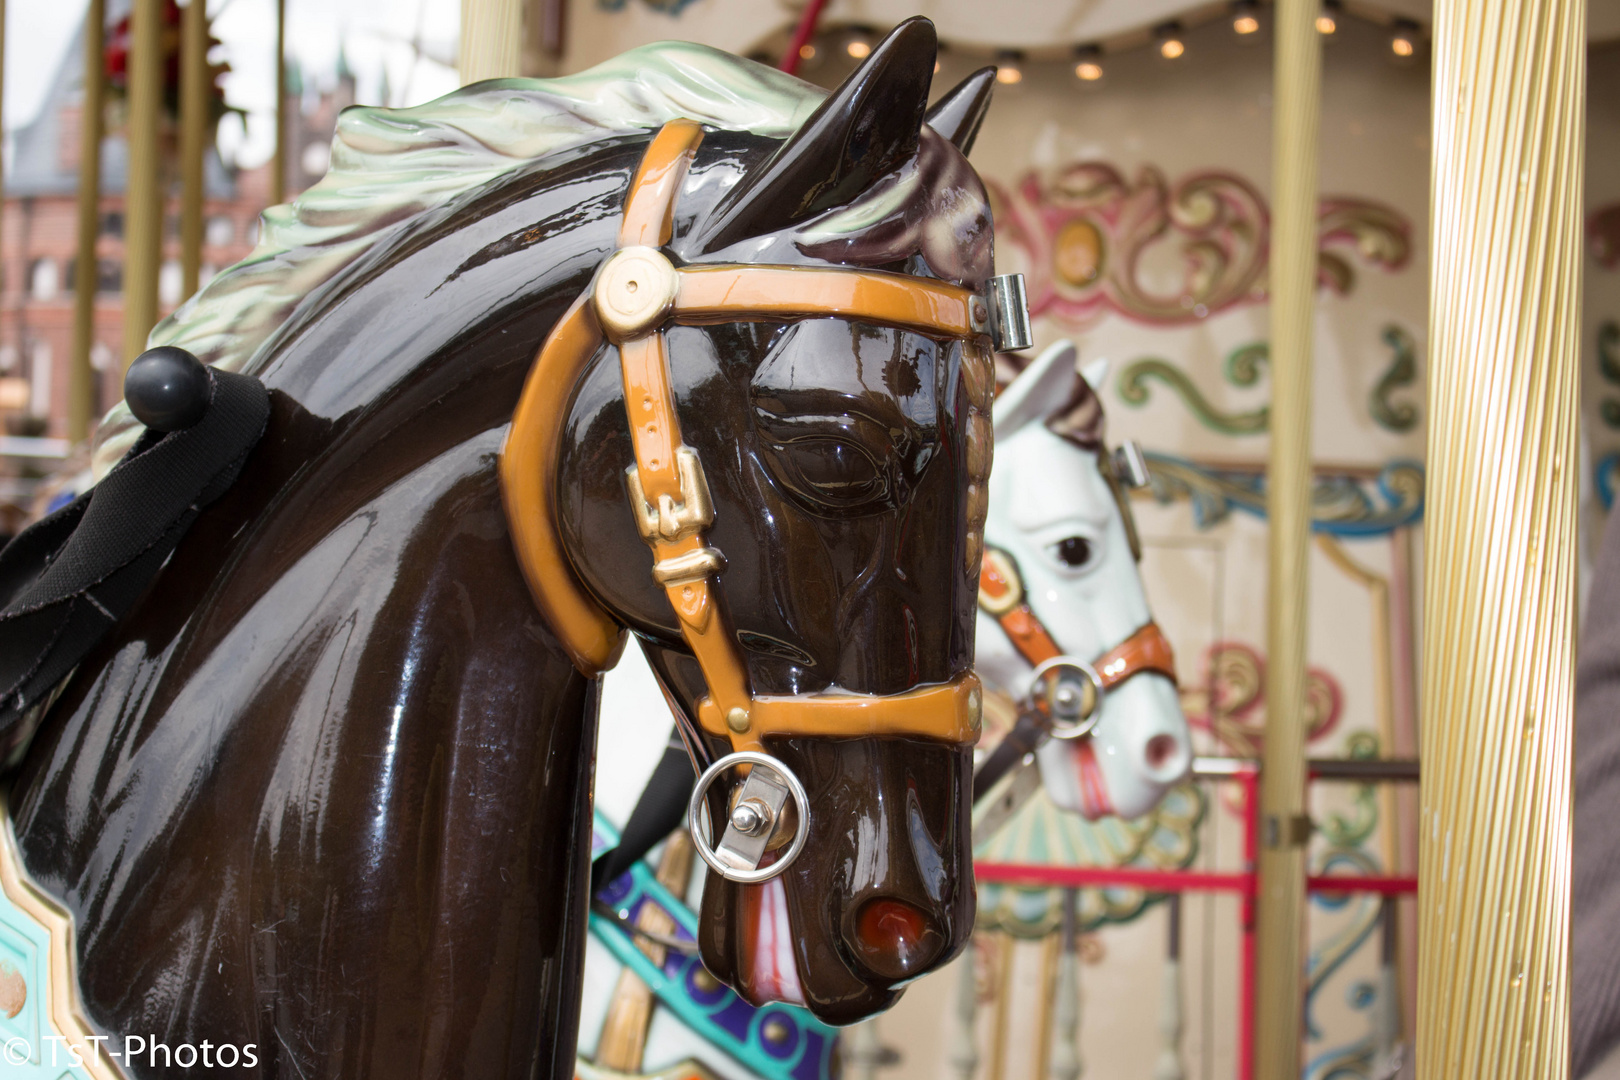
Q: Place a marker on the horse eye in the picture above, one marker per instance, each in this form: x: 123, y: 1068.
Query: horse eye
x: 1073, y: 551
x: 830, y: 473
x: 834, y: 466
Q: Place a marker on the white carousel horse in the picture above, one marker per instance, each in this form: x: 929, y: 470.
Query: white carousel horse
x: 1055, y: 514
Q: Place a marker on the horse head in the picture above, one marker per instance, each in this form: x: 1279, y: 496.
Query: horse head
x: 1060, y: 529
x: 348, y: 730
x: 777, y: 482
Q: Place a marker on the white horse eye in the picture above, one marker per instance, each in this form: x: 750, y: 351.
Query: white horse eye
x: 1073, y: 551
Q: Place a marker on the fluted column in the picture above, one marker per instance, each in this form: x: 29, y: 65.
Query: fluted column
x: 143, y: 211
x: 1284, y: 828
x: 1499, y: 628
x: 81, y: 376
x: 491, y: 39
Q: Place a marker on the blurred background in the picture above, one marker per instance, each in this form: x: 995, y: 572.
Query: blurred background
x: 1129, y: 157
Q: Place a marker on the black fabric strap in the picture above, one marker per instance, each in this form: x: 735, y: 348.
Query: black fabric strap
x: 657, y: 814
x: 1025, y: 737
x: 70, y: 577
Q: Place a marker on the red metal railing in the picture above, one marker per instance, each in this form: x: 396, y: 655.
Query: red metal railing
x: 1244, y: 883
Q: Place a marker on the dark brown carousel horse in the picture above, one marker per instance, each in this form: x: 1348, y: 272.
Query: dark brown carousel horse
x: 326, y: 790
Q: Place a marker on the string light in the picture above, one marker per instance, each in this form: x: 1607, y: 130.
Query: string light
x: 1403, y: 43
x: 1088, y: 63
x: 1245, y: 18
x: 1170, y: 44
x: 1008, y: 67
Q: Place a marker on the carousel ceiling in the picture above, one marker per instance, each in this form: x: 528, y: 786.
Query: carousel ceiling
x: 1044, y: 25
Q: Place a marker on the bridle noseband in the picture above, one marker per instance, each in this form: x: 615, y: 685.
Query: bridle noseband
x: 636, y: 294
x: 1001, y: 596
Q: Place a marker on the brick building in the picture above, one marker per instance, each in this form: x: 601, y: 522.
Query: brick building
x: 38, y: 228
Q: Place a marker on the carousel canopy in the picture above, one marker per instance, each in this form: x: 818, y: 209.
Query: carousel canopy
x: 1042, y: 26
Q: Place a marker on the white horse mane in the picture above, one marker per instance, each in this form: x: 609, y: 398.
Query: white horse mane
x: 390, y: 166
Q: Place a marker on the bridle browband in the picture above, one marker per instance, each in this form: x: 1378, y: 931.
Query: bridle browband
x: 635, y: 295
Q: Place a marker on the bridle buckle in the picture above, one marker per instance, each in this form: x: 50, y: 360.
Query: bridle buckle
x: 669, y: 521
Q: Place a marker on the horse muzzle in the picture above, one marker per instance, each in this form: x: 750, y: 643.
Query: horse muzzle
x: 770, y: 815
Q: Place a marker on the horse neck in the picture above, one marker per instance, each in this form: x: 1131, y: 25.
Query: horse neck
x: 343, y: 661
x: 462, y: 295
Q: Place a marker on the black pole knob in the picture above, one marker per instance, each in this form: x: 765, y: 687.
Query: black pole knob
x: 167, y: 388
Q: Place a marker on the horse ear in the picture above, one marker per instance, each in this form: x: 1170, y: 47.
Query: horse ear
x: 959, y: 113
x: 866, y: 128
x: 1038, y: 391
x: 1095, y: 373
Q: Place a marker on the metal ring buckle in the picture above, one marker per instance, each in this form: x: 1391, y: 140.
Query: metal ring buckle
x: 1068, y: 721
x: 753, y: 830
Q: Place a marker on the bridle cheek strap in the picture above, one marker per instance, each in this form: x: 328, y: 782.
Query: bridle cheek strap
x: 635, y: 294
x: 1001, y: 595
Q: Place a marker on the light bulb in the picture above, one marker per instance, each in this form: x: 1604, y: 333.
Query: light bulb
x: 1009, y: 69
x: 1325, y: 24
x: 1404, y: 42
x: 1088, y: 71
x: 858, y: 48
x: 807, y: 51
x: 1171, y: 48
x: 1245, y: 24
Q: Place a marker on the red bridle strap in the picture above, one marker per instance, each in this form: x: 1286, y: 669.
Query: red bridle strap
x: 1001, y: 595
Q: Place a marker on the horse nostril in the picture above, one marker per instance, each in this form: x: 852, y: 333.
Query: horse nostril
x: 896, y: 940
x: 1161, y: 749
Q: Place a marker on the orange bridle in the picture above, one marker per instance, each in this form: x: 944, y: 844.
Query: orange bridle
x: 636, y: 293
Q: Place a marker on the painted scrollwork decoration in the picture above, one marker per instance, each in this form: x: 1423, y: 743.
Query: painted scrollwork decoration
x: 1243, y: 368
x: 1095, y: 241
x: 668, y: 7
x: 1608, y: 346
x: 1401, y: 373
x: 1341, y: 503
x: 1606, y: 478
x: 1229, y: 702
x: 1362, y: 916
x: 1245, y: 364
x: 1603, y: 233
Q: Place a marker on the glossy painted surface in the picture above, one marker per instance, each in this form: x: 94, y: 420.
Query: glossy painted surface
x: 326, y: 791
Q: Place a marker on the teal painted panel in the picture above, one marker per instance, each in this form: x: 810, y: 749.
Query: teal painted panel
x: 27, y: 1049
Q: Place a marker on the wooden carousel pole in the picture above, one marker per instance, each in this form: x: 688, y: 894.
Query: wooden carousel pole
x: 1284, y: 826
x: 278, y: 159
x: 1499, y: 594
x: 194, y: 95
x: 81, y: 376
x: 143, y: 200
x: 491, y: 39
